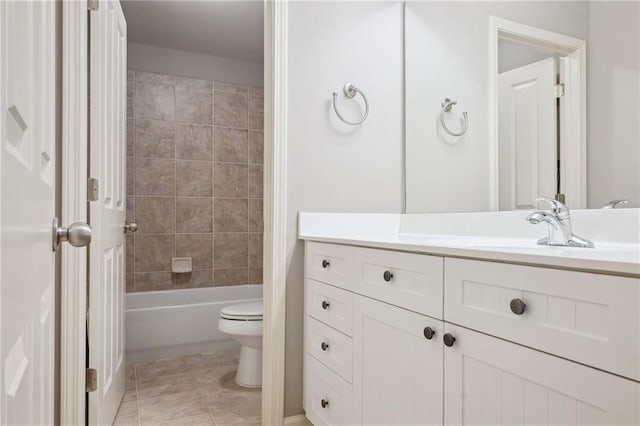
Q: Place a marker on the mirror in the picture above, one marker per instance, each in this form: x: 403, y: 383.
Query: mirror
x: 509, y: 101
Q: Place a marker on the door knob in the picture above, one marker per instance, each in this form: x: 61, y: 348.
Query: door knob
x: 130, y: 227
x: 78, y: 234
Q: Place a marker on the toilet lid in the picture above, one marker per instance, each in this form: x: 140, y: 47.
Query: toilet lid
x: 248, y: 310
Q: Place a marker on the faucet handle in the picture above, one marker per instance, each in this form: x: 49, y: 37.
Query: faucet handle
x: 557, y: 207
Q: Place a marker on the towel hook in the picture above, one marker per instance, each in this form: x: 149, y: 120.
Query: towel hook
x: 350, y: 91
x: 447, y: 104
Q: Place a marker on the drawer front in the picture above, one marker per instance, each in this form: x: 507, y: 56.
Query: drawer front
x: 330, y: 305
x: 410, y: 281
x: 332, y: 348
x: 329, y: 263
x: 589, y: 318
x: 328, y: 397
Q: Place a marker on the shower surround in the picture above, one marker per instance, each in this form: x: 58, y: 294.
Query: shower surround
x: 194, y: 181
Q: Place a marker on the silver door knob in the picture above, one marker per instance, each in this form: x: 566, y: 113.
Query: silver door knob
x: 78, y: 234
x: 130, y: 227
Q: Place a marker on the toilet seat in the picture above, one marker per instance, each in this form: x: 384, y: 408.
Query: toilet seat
x: 249, y: 311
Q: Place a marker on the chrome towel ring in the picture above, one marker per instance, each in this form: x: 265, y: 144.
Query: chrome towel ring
x: 446, y: 107
x: 350, y: 91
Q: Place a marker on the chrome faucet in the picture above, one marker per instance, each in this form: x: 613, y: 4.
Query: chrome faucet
x: 615, y: 203
x: 559, y: 225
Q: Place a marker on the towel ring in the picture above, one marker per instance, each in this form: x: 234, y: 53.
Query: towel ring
x: 446, y: 107
x: 350, y: 91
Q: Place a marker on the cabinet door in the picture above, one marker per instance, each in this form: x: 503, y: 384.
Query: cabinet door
x: 397, y: 371
x: 489, y: 381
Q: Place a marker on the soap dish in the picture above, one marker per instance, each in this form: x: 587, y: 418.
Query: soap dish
x: 181, y: 265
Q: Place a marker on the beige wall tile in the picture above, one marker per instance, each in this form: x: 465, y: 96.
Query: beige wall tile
x: 195, y: 279
x: 130, y: 215
x: 230, y: 88
x: 256, y: 91
x: 230, y: 145
x: 230, y: 215
x: 230, y: 180
x: 256, y: 223
x: 194, y: 215
x: 131, y: 137
x: 131, y: 89
x: 155, y: 215
x: 131, y: 175
x: 230, y: 251
x: 193, y: 105
x: 256, y: 112
x: 155, y: 176
x: 155, y: 138
x: 154, y: 252
x: 226, y: 277
x: 130, y: 253
x: 195, y: 84
x: 152, y: 281
x: 194, y: 178
x: 152, y: 77
x: 255, y: 276
x: 193, y: 142
x: 130, y: 282
x: 199, y: 247
x: 230, y: 110
x: 256, y: 147
x: 255, y: 181
x: 255, y: 250
x: 154, y: 101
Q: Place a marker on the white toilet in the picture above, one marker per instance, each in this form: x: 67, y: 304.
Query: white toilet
x: 243, y: 322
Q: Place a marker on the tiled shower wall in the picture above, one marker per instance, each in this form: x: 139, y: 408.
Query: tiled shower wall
x: 194, y: 181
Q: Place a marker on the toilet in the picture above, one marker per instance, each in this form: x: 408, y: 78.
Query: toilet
x: 243, y: 322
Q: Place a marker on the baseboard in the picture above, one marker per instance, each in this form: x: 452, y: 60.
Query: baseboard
x: 180, y: 350
x: 299, y: 420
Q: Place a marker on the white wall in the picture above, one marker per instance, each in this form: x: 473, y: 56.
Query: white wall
x: 614, y: 103
x: 446, y: 51
x: 331, y: 166
x: 182, y: 63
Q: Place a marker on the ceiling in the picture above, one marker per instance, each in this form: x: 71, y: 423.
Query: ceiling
x: 231, y: 29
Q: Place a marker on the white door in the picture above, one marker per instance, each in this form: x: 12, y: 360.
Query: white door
x: 527, y: 115
x: 107, y: 75
x: 489, y: 381
x: 397, y: 370
x: 27, y: 196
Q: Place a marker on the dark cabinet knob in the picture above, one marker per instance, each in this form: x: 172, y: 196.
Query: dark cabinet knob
x: 387, y: 276
x: 517, y: 306
x: 449, y: 340
x: 325, y: 304
x: 429, y: 333
x: 324, y: 402
x: 325, y: 263
x: 324, y: 346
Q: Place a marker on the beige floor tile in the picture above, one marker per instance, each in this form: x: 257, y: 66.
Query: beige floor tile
x: 127, y: 414
x: 130, y: 373
x: 232, y: 404
x: 171, y: 407
x: 154, y: 387
x: 204, y: 420
x: 214, y: 359
x: 161, y: 367
x: 130, y: 392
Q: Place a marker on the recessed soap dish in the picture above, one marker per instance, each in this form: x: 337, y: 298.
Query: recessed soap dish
x: 181, y: 265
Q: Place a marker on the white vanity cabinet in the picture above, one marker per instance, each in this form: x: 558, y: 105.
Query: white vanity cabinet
x: 401, y: 338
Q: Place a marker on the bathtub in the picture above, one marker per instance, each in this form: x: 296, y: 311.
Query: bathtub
x: 162, y: 324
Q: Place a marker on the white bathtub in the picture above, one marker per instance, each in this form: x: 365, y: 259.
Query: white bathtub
x: 161, y: 324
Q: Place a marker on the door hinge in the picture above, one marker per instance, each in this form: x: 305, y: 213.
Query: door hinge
x: 93, y: 5
x: 93, y: 189
x: 92, y: 379
x: 559, y: 90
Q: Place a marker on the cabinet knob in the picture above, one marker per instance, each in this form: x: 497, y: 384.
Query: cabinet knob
x: 324, y: 402
x: 325, y: 263
x: 449, y: 340
x: 517, y: 306
x: 429, y: 333
x: 387, y: 276
x: 325, y: 304
x: 324, y: 346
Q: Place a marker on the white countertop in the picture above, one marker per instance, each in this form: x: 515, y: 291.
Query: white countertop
x: 406, y: 233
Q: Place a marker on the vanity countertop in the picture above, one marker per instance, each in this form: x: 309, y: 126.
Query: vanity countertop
x: 392, y: 232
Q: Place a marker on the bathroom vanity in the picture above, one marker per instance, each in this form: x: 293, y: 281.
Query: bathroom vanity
x: 403, y: 326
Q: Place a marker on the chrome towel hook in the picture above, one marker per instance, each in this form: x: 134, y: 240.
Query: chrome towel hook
x: 350, y: 91
x: 447, y: 104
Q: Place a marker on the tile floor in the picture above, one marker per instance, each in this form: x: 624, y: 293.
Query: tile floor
x: 188, y: 390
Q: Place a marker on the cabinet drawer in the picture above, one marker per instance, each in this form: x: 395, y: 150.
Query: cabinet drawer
x: 589, y: 318
x: 332, y: 348
x: 330, y: 305
x: 329, y: 263
x: 328, y: 397
x: 410, y: 281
